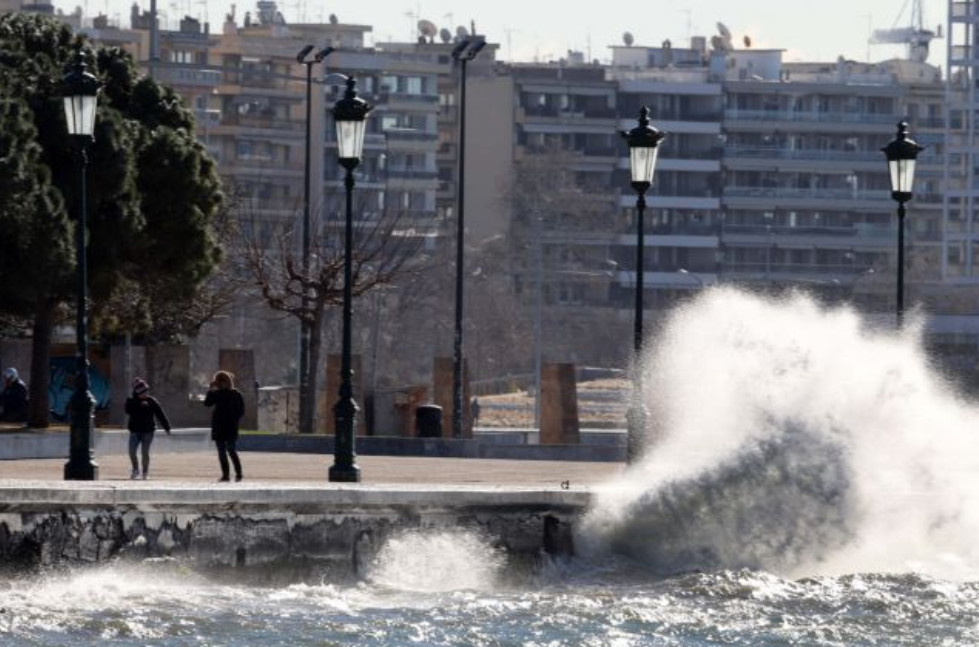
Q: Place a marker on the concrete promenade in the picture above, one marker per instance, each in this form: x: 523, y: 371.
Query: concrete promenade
x: 271, y: 469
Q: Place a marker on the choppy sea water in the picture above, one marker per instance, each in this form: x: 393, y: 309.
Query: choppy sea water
x: 122, y: 606
x: 808, y: 480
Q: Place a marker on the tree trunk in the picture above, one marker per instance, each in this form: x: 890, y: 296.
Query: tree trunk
x: 315, y: 344
x: 38, y: 416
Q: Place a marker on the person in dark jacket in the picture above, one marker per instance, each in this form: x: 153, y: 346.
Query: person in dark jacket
x: 143, y: 411
x: 13, y: 397
x: 229, y: 407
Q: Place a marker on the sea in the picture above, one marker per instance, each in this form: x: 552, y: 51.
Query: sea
x: 810, y: 477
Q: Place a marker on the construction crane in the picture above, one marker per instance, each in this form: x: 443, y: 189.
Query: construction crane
x: 915, y: 36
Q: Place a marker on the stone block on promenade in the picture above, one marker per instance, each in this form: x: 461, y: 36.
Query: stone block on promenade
x: 443, y: 377
x: 240, y: 362
x: 329, y: 399
x: 278, y: 409
x: 559, y: 405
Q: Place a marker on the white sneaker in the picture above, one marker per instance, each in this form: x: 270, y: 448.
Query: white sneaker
x: 134, y: 475
x: 143, y: 476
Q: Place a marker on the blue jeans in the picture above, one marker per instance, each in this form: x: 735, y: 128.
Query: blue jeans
x: 228, y: 448
x: 137, y: 439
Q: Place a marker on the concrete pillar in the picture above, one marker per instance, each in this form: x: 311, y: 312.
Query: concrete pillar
x: 443, y: 376
x: 559, y: 405
x: 168, y: 374
x: 332, y: 379
x: 240, y: 362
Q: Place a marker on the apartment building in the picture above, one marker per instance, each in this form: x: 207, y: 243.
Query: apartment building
x: 771, y: 175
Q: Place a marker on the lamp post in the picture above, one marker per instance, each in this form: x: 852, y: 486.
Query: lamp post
x: 80, y: 102
x: 901, y: 154
x: 350, y: 114
x: 464, y: 51
x: 643, y: 141
x: 306, y: 407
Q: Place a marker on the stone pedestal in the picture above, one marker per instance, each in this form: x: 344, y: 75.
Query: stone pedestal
x: 278, y: 409
x: 241, y: 364
x: 332, y: 394
x: 559, y: 405
x: 443, y: 375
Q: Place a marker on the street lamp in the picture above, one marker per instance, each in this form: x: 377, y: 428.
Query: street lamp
x: 80, y: 102
x: 643, y: 141
x: 350, y: 114
x: 464, y: 51
x: 901, y: 154
x: 306, y: 407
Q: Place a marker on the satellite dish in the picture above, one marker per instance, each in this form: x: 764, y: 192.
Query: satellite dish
x: 427, y: 28
x: 445, y: 35
x: 747, y: 40
x: 333, y: 19
x: 724, y: 31
x: 461, y: 32
x: 627, y: 39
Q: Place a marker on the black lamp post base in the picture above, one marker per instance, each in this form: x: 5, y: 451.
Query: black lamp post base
x: 80, y: 466
x: 344, y: 474
x: 81, y: 470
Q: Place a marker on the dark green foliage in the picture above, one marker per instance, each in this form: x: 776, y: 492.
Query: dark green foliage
x: 153, y: 192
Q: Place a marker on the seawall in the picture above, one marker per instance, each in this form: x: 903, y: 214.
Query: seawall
x: 295, y: 531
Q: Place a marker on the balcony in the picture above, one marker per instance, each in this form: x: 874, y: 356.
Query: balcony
x: 774, y: 152
x: 411, y: 173
x: 808, y: 116
x: 793, y: 193
x: 186, y: 75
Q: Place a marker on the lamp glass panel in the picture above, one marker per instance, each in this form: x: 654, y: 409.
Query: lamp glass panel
x: 80, y: 114
x: 642, y: 162
x: 350, y: 138
x: 902, y: 175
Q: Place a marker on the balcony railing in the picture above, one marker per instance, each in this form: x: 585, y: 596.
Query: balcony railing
x: 797, y: 193
x: 774, y: 152
x: 804, y: 116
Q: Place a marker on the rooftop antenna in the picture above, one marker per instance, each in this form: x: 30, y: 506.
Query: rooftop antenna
x: 509, y: 31
x: 689, y: 23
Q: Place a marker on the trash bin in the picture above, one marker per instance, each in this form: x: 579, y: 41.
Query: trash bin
x: 428, y: 421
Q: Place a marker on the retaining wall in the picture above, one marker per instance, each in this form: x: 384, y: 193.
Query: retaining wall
x: 302, y: 531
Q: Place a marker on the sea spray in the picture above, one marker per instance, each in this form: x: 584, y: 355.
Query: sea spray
x: 437, y: 560
x: 794, y: 438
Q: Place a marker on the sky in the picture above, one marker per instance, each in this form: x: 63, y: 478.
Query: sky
x: 534, y: 30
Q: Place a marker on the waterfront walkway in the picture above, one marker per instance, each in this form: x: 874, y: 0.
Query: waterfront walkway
x: 280, y: 468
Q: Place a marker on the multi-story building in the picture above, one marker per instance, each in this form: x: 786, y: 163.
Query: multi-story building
x: 771, y: 174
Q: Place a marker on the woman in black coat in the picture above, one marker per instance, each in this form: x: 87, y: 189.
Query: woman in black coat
x: 144, y: 411
x: 229, y: 407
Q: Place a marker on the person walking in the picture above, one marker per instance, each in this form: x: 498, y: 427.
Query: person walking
x: 229, y: 407
x: 144, y: 411
x: 13, y: 397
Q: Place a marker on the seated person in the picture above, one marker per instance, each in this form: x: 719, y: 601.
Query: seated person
x: 13, y: 398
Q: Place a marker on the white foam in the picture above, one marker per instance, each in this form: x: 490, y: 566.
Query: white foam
x: 732, y: 376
